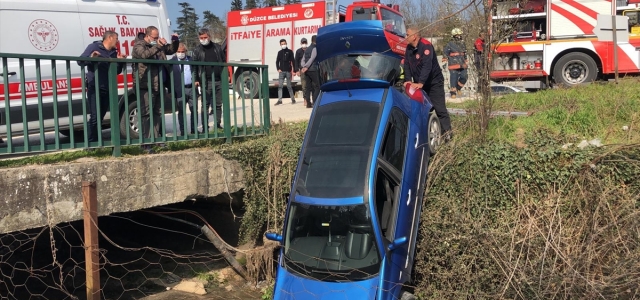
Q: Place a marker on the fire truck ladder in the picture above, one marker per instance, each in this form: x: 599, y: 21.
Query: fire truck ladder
x: 334, y: 11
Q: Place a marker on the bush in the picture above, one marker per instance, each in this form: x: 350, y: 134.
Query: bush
x: 539, y: 222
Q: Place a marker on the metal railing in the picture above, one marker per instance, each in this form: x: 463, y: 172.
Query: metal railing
x: 44, y: 97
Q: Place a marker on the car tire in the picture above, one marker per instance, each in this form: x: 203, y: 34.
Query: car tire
x: 129, y: 122
x: 404, y: 295
x: 434, y: 132
x: 575, y: 68
x: 247, y: 83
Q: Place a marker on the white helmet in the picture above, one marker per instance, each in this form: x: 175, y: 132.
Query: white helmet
x: 456, y: 31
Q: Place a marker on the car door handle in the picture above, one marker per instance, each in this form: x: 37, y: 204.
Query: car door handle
x: 9, y: 74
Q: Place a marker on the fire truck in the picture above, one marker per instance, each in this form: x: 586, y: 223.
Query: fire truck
x: 253, y: 35
x: 567, y: 42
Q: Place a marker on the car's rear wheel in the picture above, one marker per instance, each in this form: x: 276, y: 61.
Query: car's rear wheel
x: 435, y: 133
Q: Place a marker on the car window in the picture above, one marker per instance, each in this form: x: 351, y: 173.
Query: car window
x: 386, y: 206
x: 363, y: 14
x: 395, y: 140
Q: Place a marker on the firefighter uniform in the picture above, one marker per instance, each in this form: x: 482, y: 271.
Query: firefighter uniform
x: 456, y: 55
x: 421, y: 66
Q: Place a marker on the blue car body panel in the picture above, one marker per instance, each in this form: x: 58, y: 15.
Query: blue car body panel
x: 297, y: 275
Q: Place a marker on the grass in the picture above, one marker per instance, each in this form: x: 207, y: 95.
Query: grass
x: 598, y: 110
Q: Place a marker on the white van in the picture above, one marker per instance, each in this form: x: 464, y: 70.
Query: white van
x: 63, y: 28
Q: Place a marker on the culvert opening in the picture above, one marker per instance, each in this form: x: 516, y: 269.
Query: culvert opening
x: 141, y: 253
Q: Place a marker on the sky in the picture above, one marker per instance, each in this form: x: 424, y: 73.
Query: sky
x: 217, y: 7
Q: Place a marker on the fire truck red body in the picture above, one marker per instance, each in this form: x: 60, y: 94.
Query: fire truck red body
x: 569, y: 41
x: 253, y: 35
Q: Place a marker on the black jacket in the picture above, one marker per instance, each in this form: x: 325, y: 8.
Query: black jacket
x: 285, y: 61
x: 103, y: 67
x: 198, y: 55
x: 177, y: 85
x: 421, y: 65
x: 299, y: 55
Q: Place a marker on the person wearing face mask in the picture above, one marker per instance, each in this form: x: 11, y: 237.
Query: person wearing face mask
x: 209, y: 51
x: 455, y: 54
x: 310, y: 74
x: 297, y: 67
x: 99, y: 96
x: 285, y: 64
x: 155, y: 48
x: 183, y: 89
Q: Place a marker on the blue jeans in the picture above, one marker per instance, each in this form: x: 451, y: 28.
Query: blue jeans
x: 457, y: 79
x: 281, y: 77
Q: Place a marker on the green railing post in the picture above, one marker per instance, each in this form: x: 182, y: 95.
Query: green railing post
x: 224, y: 86
x: 265, y: 100
x: 113, y: 108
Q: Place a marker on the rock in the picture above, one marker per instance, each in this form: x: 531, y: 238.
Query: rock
x: 625, y: 128
x: 566, y: 146
x: 191, y: 287
x: 595, y: 142
x: 229, y: 288
x: 227, y: 274
x: 583, y: 144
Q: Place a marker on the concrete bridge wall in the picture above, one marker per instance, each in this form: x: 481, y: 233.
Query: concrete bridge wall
x: 35, y: 196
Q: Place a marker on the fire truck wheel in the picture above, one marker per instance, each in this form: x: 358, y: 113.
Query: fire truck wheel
x: 575, y: 68
x: 248, y: 83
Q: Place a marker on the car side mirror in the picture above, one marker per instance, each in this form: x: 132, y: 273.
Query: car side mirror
x: 397, y: 243
x: 272, y: 236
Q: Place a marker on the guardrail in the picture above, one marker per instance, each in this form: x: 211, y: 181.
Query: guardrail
x: 48, y: 96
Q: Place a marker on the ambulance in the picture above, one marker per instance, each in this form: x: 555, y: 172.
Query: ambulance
x: 253, y: 36
x: 63, y: 28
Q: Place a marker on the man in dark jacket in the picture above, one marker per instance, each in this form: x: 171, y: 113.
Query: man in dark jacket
x: 183, y: 89
x: 421, y: 68
x: 98, y: 97
x: 299, y: 55
x: 310, y: 73
x: 209, y: 51
x: 284, y: 63
x: 152, y: 47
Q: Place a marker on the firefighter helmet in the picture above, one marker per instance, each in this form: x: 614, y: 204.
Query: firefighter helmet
x: 456, y: 31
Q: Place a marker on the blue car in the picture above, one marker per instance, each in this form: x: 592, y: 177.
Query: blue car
x: 353, y: 213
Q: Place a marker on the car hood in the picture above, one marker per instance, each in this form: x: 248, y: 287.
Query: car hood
x: 290, y: 286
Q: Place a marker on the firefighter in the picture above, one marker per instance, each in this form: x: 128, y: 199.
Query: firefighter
x: 422, y: 70
x: 455, y: 55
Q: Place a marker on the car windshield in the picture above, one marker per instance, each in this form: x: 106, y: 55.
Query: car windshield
x: 331, y: 243
x: 337, y: 150
x: 360, y: 66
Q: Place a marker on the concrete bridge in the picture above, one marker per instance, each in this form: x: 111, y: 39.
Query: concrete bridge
x: 36, y: 196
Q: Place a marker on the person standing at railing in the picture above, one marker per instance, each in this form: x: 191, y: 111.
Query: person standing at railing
x: 182, y: 88
x: 156, y: 48
x: 99, y: 96
x: 209, y: 51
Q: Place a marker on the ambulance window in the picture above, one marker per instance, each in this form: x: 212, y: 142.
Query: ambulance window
x: 393, y: 22
x: 395, y: 141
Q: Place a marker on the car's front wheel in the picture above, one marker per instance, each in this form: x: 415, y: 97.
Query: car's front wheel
x: 404, y: 295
